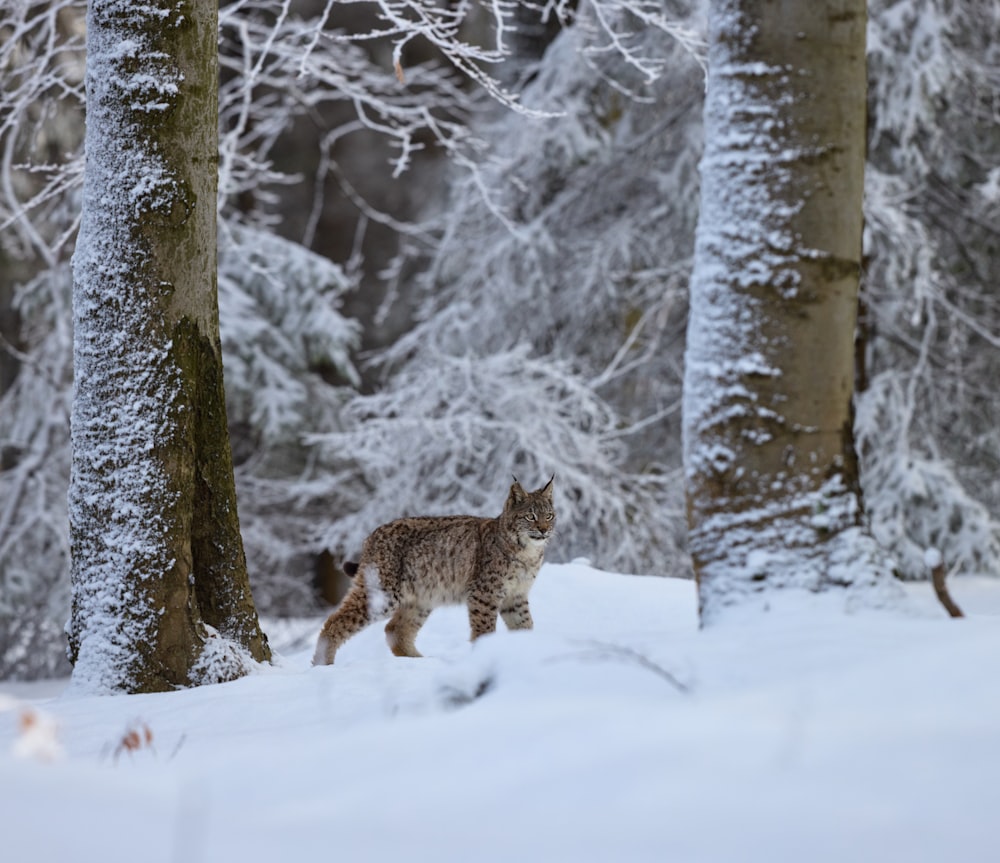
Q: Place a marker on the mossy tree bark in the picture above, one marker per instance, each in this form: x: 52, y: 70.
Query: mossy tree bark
x: 772, y: 479
x: 161, y: 596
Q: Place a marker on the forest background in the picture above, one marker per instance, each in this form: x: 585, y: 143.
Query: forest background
x: 451, y: 257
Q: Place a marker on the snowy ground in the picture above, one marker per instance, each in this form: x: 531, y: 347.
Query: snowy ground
x: 616, y: 731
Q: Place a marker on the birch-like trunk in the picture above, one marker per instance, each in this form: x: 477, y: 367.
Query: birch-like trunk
x: 772, y: 479
x: 160, y: 590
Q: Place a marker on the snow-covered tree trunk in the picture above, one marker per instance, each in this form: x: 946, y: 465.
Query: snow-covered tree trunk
x: 772, y: 479
x: 160, y: 590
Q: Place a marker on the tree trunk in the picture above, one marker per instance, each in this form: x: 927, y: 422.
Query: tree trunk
x: 160, y: 590
x: 772, y: 479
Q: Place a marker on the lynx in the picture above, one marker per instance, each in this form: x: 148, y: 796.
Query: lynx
x: 411, y: 566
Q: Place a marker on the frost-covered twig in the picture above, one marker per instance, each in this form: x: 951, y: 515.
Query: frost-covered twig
x: 927, y: 435
x: 40, y: 47
x: 540, y: 343
x: 935, y: 563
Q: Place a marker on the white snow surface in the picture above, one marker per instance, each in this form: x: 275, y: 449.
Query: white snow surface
x: 616, y: 730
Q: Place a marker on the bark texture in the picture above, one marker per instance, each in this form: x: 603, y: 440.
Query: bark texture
x: 161, y: 596
x: 772, y: 479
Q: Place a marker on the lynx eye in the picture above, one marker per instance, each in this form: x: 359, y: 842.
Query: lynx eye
x: 532, y: 517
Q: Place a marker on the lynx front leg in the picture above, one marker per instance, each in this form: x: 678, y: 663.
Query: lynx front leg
x: 515, y: 613
x: 483, y: 609
x: 402, y: 630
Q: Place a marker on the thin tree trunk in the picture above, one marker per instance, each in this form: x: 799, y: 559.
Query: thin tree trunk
x: 160, y: 590
x: 772, y: 478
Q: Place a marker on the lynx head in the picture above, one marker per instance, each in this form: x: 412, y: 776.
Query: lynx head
x: 531, y: 514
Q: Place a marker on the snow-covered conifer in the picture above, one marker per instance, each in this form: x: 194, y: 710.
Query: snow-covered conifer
x: 551, y: 316
x: 928, y: 420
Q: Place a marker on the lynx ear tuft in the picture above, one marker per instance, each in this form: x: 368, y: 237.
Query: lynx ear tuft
x: 517, y: 494
x: 547, y: 488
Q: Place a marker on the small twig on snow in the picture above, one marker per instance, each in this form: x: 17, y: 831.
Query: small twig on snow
x: 933, y: 559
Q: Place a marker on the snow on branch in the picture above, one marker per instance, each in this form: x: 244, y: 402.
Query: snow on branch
x: 444, y: 26
x: 34, y: 472
x: 41, y: 67
x: 915, y: 500
x: 621, y: 27
x: 281, y: 67
x: 928, y: 421
x: 548, y: 328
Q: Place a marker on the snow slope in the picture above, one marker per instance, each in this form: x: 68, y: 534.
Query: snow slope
x: 616, y: 731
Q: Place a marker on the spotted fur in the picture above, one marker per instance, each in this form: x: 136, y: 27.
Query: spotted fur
x: 411, y: 566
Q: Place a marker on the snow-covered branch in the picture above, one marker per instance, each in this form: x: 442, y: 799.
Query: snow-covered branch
x: 41, y: 104
x: 928, y: 424
x: 551, y: 309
